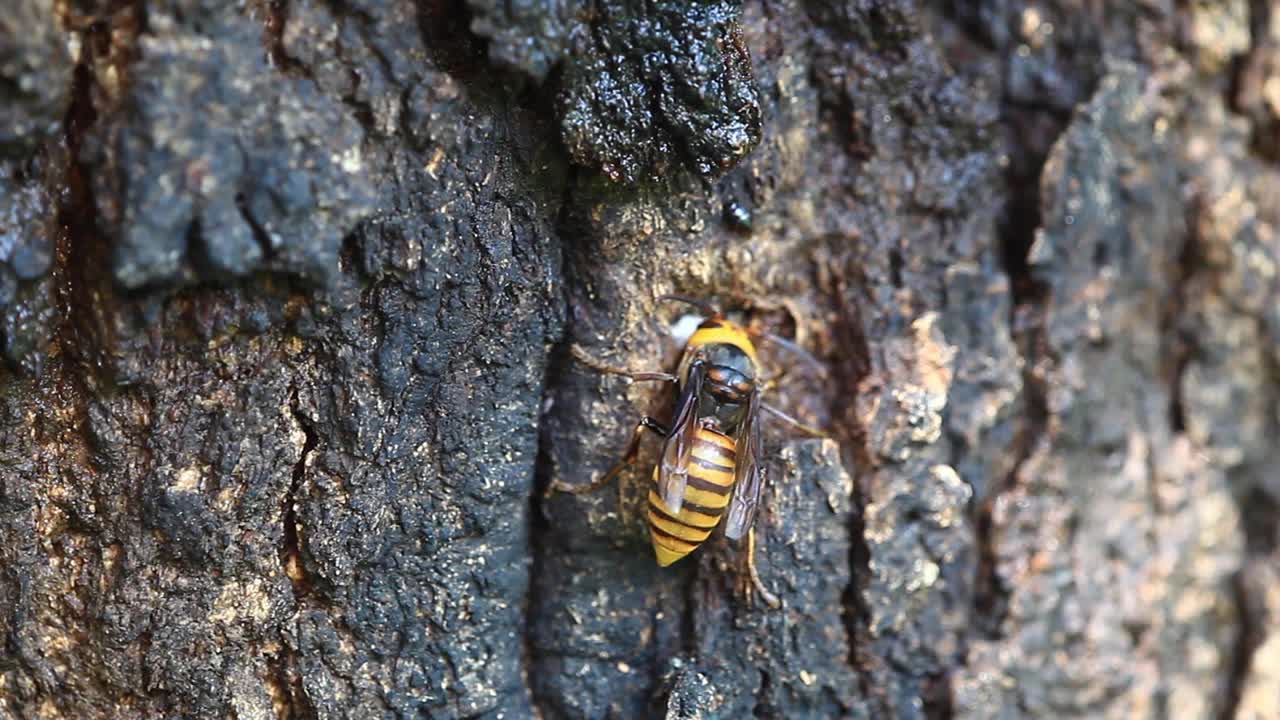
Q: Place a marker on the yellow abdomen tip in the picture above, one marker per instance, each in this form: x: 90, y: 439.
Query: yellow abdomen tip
x: 666, y: 556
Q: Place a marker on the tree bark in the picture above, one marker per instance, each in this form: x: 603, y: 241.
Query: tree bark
x: 287, y: 292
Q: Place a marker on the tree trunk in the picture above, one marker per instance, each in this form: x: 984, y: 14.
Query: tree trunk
x: 288, y: 290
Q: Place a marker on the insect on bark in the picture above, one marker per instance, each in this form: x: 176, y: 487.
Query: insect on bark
x: 709, y: 470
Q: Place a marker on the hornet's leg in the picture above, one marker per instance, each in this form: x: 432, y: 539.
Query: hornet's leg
x: 770, y: 599
x: 583, y: 357
x: 633, y: 449
x: 815, y: 432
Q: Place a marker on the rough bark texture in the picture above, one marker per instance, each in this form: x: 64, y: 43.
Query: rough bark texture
x: 287, y: 289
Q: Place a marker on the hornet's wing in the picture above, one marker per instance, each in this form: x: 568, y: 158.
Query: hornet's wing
x: 673, y: 467
x: 748, y: 474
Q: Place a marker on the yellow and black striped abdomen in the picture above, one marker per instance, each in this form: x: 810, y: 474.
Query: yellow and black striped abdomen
x: 711, y: 469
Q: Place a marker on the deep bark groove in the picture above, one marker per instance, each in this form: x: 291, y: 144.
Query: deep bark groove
x: 292, y: 560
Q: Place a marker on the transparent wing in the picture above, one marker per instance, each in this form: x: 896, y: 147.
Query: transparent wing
x: 748, y: 476
x: 673, y: 466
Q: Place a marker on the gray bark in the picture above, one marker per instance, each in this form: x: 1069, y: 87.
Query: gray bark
x: 287, y: 291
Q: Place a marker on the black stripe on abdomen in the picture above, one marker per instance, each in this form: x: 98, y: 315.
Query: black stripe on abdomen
x: 663, y: 533
x: 707, y: 486
x: 712, y: 516
x: 711, y: 465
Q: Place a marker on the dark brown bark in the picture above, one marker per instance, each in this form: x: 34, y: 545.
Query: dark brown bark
x: 287, y: 292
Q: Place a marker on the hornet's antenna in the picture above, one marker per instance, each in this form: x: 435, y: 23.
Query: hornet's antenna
x: 707, y: 308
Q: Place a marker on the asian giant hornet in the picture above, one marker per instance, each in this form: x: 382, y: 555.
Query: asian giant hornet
x: 709, y: 468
